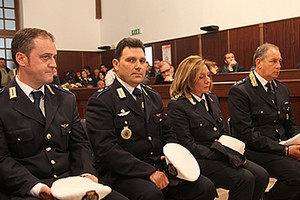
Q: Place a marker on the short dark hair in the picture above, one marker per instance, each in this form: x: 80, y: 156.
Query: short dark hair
x: 23, y: 41
x: 2, y: 59
x: 128, y: 42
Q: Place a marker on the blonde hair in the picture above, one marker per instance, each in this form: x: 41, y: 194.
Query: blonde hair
x: 186, y: 76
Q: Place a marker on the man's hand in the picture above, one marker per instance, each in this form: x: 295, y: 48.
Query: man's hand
x: 168, y: 79
x: 159, y: 179
x: 45, y: 193
x: 232, y: 63
x: 294, y: 152
x: 92, y: 177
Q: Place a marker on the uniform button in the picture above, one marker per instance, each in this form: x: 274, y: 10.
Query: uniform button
x: 55, y: 176
x: 279, y: 140
x: 19, y: 139
x: 48, y: 136
x: 275, y: 120
x: 52, y: 162
x: 151, y: 153
x: 261, y: 112
x: 279, y: 112
x: 160, y: 120
x: 126, y: 122
x: 150, y: 138
x: 276, y: 130
x: 200, y: 124
x: 48, y: 149
x: 215, y: 128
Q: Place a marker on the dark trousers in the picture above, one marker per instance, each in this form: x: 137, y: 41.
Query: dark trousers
x: 285, y: 169
x: 112, y: 196
x: 142, y: 189
x: 245, y: 183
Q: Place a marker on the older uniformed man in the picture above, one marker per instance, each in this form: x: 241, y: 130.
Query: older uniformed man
x: 126, y: 126
x: 261, y: 116
x: 41, y: 137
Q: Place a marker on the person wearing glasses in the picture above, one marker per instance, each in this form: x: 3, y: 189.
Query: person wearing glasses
x: 166, y: 73
x: 128, y: 128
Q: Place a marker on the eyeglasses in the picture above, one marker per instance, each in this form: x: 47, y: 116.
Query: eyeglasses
x: 166, y: 71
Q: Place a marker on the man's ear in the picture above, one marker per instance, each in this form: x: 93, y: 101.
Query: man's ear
x: 115, y: 63
x: 21, y: 58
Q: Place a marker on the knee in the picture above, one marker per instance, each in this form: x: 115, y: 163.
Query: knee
x: 151, y: 194
x: 206, y: 188
x: 246, y: 178
x: 262, y: 177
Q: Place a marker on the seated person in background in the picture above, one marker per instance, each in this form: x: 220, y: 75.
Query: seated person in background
x: 213, y: 67
x: 127, y: 128
x: 260, y: 106
x: 41, y: 137
x: 231, y: 65
x: 155, y: 68
x: 4, y: 73
x: 297, y: 65
x: 103, y: 68
x: 86, y: 81
x: 198, y: 126
x: 166, y: 73
x: 101, y: 84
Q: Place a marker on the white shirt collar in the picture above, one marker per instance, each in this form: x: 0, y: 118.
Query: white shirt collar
x: 261, y: 80
x: 199, y: 98
x: 27, y: 89
x: 128, y: 87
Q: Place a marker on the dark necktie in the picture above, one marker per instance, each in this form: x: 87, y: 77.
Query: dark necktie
x: 203, y: 103
x: 270, y: 92
x: 206, y: 108
x: 37, y: 95
x: 139, y: 98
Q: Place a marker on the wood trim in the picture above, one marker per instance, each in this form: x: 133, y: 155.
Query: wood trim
x: 98, y: 9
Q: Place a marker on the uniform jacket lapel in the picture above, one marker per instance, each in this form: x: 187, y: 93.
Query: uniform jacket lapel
x: 23, y: 105
x: 51, y: 105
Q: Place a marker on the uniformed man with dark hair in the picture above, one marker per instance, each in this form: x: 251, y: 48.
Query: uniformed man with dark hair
x: 41, y: 137
x: 261, y: 115
x: 127, y: 129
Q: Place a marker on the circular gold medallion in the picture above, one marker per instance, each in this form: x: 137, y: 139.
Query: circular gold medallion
x: 126, y: 133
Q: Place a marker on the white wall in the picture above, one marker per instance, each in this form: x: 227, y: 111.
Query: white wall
x: 167, y: 19
x: 75, y: 27
x: 72, y: 22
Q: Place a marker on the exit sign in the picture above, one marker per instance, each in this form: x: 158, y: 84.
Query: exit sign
x: 135, y: 31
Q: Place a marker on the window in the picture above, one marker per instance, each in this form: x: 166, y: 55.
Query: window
x: 9, y: 25
x: 148, y: 54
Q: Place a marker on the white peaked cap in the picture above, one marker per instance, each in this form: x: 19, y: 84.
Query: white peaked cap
x: 185, y: 163
x: 76, y: 187
x: 232, y: 143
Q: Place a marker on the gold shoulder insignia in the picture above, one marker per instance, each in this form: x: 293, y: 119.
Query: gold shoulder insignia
x: 50, y: 89
x: 12, y: 92
x: 144, y: 91
x: 253, y: 79
x: 121, y: 93
x: 275, y: 84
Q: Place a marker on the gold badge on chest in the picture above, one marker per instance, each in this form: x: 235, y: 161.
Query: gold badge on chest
x: 126, y: 133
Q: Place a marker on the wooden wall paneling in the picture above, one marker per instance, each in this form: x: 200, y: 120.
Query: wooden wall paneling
x: 186, y: 47
x: 68, y: 60
x: 107, y: 57
x: 92, y: 59
x: 214, y: 46
x: 285, y: 34
x: 243, y: 42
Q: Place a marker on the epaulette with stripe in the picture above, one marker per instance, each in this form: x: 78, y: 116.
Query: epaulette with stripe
x: 240, y: 82
x: 102, y: 91
x: 2, y: 90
